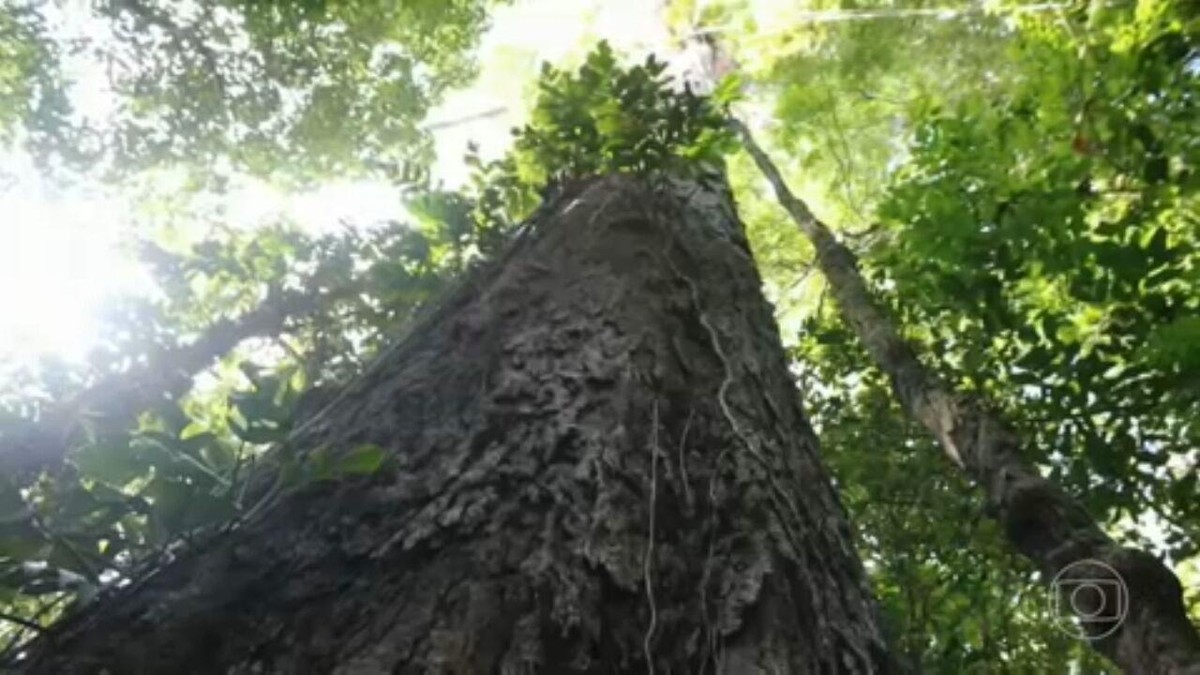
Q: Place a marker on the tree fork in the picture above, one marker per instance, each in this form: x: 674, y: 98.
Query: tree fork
x: 1041, y: 521
x: 621, y: 357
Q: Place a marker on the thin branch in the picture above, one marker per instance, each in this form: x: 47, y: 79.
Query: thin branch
x: 848, y: 15
x: 21, y: 621
x: 14, y: 646
x: 168, y: 373
x: 473, y: 117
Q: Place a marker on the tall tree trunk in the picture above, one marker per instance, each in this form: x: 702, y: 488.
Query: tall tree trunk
x: 600, y: 465
x: 1148, y: 630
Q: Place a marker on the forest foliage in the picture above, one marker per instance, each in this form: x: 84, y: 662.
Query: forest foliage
x: 1019, y: 183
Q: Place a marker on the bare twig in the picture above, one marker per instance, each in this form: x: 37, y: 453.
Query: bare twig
x: 15, y: 644
x: 22, y: 621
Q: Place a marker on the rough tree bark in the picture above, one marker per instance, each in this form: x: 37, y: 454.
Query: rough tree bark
x: 1041, y: 521
x: 600, y: 465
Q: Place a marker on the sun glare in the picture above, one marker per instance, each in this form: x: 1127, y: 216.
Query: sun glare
x: 63, y: 253
x: 59, y: 260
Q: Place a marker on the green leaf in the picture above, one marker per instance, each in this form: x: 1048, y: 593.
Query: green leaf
x: 192, y: 430
x: 361, y: 461
x: 729, y: 90
x: 114, y: 464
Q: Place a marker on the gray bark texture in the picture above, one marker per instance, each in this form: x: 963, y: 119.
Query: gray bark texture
x: 1044, y: 523
x: 600, y: 465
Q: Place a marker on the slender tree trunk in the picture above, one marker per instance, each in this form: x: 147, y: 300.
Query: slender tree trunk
x: 600, y: 465
x: 1153, y: 633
